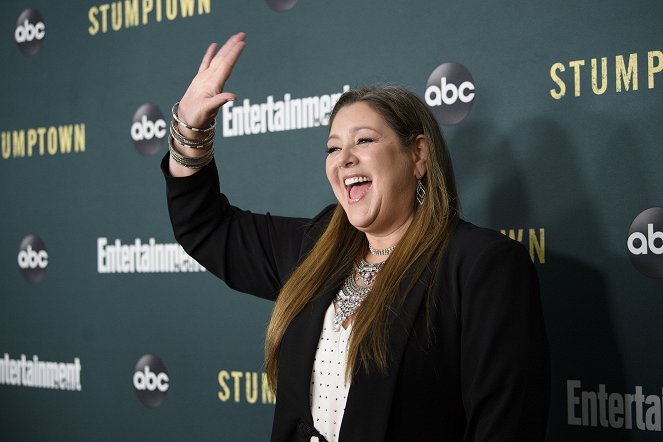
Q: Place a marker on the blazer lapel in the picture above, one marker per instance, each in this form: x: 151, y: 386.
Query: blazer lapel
x: 369, y: 401
x: 296, y: 357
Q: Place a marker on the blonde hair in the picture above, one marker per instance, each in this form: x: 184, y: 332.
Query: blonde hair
x: 331, y: 259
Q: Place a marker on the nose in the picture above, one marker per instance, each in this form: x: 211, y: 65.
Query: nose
x: 346, y: 158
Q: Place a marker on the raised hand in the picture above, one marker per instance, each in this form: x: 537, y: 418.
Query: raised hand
x: 200, y: 104
x: 205, y: 95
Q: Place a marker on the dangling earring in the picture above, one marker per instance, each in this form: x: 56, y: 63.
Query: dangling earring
x: 421, y: 192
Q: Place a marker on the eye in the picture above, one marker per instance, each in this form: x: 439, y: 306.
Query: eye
x: 364, y: 140
x: 331, y: 150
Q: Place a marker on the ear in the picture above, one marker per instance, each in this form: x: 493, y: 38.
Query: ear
x: 420, y: 156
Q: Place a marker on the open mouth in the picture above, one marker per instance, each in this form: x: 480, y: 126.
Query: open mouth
x: 357, y: 187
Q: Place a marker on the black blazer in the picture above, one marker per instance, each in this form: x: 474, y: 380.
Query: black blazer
x: 474, y: 366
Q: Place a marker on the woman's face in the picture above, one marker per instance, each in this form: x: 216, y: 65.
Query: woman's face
x: 372, y: 174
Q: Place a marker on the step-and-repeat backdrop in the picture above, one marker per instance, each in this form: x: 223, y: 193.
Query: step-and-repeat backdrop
x: 108, y: 331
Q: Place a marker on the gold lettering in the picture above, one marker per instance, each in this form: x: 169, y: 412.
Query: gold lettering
x: 148, y: 5
x: 6, y: 147
x: 159, y: 10
x: 32, y: 139
x: 267, y: 395
x: 512, y: 234
x: 653, y: 69
x: 626, y: 75
x: 40, y: 132
x: 186, y: 6
x: 251, y: 387
x: 576, y: 64
x: 236, y: 375
x: 131, y: 13
x: 203, y: 6
x: 604, y: 76
x: 94, y: 23
x: 116, y: 16
x: 18, y: 144
x: 171, y: 9
x: 52, y: 140
x: 104, y: 17
x: 79, y: 137
x: 65, y: 133
x: 224, y: 393
x: 537, y: 245
x: 553, y: 75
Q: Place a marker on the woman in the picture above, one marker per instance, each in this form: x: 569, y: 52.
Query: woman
x: 394, y: 319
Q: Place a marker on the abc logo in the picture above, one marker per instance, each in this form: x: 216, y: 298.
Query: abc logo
x: 645, y: 242
x: 281, y: 5
x: 30, y: 32
x: 151, y: 380
x: 450, y: 92
x: 148, y: 129
x: 32, y: 258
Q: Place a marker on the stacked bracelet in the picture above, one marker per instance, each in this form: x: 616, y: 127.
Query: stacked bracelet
x: 188, y: 142
x: 175, y: 134
x: 174, y: 110
x: 191, y: 162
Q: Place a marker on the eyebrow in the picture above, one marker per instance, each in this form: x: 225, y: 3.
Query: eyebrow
x: 352, y: 130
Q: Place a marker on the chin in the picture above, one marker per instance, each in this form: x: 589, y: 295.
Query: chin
x: 360, y: 222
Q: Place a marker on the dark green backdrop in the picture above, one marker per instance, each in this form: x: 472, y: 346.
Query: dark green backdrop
x: 575, y: 171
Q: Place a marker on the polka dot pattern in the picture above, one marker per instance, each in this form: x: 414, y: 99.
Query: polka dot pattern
x: 329, y: 392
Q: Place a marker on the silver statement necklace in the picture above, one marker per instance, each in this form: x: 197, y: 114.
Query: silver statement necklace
x: 381, y: 252
x: 351, y: 295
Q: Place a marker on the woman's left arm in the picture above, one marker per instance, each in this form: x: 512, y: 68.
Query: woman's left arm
x: 505, y: 366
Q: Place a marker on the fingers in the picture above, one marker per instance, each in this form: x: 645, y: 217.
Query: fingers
x: 231, y: 42
x: 229, y: 52
x: 207, y: 59
x: 229, y: 48
x: 220, y: 99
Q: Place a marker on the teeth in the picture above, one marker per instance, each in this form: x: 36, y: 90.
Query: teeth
x: 355, y: 180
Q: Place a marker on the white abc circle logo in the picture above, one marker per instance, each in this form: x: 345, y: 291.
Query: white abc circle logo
x: 32, y: 258
x: 645, y: 242
x: 148, y: 129
x: 30, y: 32
x: 450, y: 92
x: 151, y: 381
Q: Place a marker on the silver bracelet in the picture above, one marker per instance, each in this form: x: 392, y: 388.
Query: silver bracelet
x: 174, y: 110
x: 188, y: 142
x: 190, y: 162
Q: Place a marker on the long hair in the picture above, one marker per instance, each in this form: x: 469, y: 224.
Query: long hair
x: 331, y: 259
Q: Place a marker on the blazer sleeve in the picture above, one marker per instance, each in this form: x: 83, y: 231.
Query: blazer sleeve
x: 252, y: 253
x: 505, y: 367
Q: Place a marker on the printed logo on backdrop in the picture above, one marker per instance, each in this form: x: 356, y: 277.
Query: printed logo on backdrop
x: 143, y: 257
x: 248, y: 387
x: 36, y: 373
x: 151, y: 381
x: 276, y: 115
x: 450, y: 93
x: 621, y: 73
x: 148, y: 129
x: 281, y: 5
x: 645, y: 242
x: 125, y: 15
x: 30, y: 32
x: 32, y: 258
x: 612, y: 409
